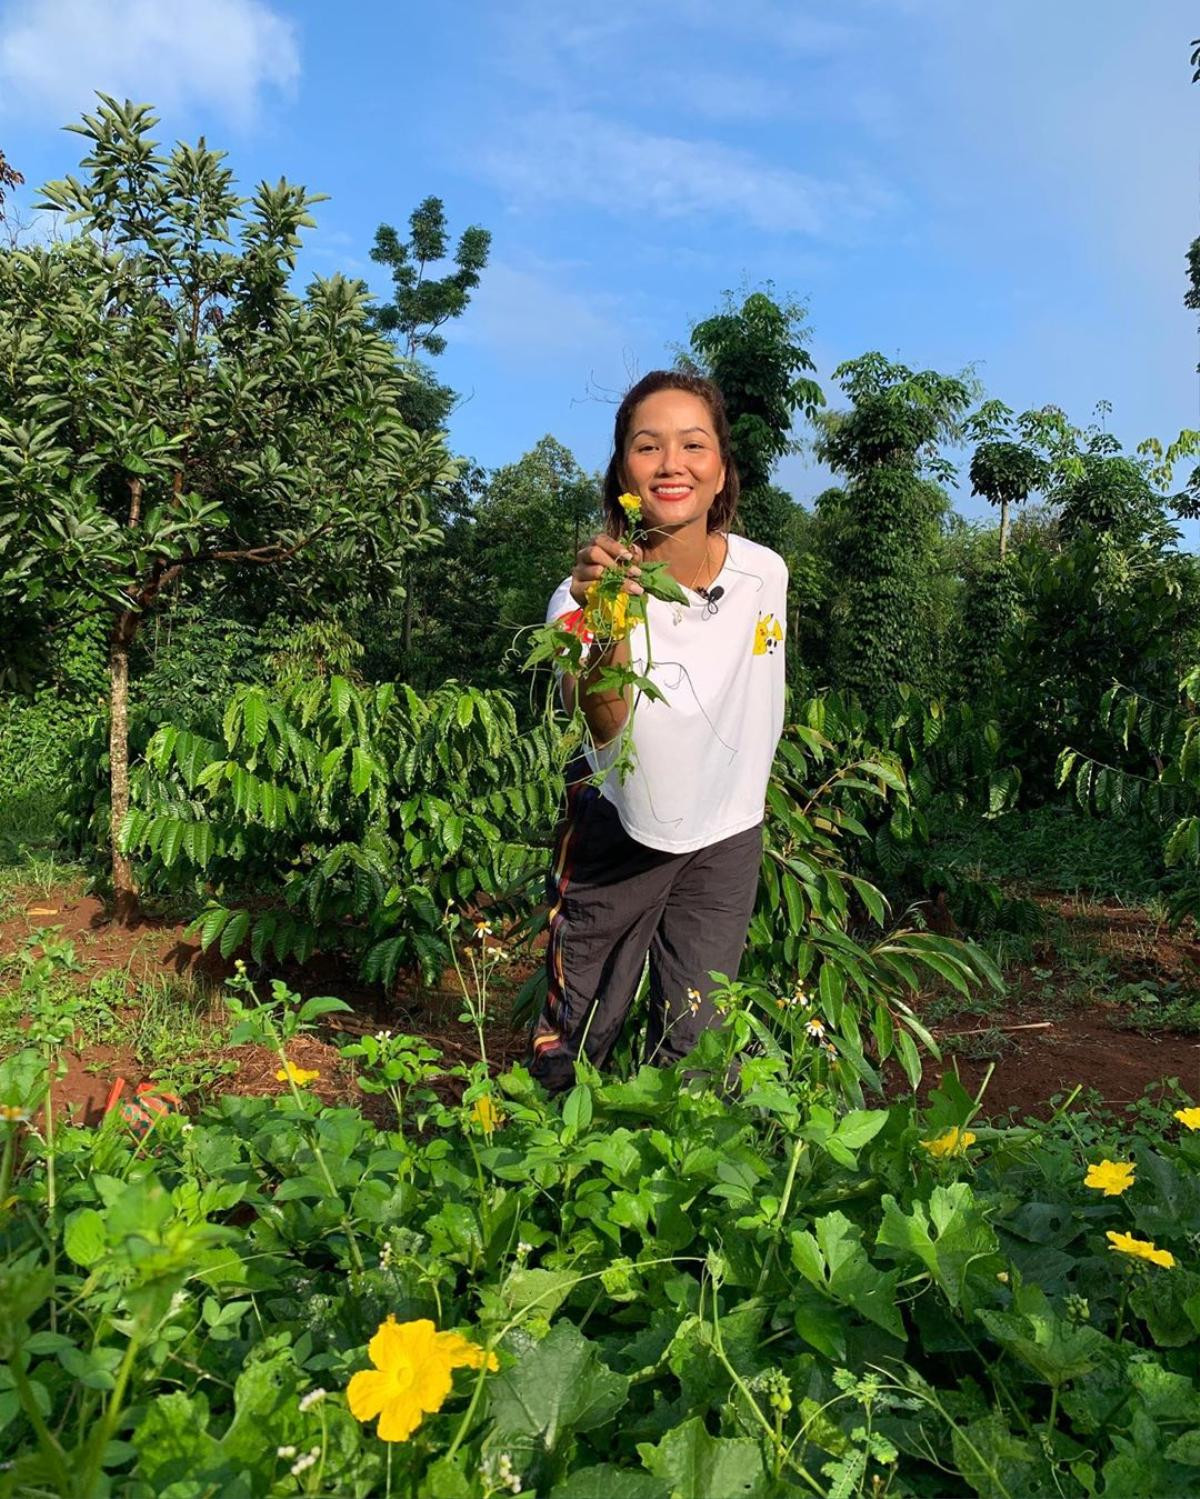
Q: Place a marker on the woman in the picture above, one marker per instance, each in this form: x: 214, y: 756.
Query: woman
x: 666, y: 861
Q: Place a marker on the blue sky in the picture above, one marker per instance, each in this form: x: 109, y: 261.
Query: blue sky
x: 1012, y: 186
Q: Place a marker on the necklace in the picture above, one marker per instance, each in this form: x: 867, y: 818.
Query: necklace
x: 703, y: 565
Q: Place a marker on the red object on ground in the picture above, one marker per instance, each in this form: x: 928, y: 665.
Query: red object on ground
x: 141, y: 1109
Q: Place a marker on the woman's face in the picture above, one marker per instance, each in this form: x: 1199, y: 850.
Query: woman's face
x: 672, y: 459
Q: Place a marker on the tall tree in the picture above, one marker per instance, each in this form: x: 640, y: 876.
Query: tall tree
x: 422, y: 303
x: 1004, y: 471
x: 891, y: 518
x: 757, y: 354
x: 168, y: 405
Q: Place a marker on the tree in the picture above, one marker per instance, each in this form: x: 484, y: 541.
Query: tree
x: 756, y: 353
x: 422, y: 303
x: 509, y: 540
x: 1003, y: 471
x: 9, y: 178
x: 890, y: 519
x: 169, y: 406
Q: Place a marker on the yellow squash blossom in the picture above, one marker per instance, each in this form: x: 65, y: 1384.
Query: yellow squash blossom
x: 631, y: 504
x: 1189, y: 1118
x: 954, y: 1142
x: 1110, y: 1177
x: 412, y: 1375
x: 1140, y: 1249
x: 607, y: 618
x: 486, y: 1114
x: 301, y: 1076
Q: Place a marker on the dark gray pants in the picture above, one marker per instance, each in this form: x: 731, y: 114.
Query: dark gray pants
x: 612, y: 901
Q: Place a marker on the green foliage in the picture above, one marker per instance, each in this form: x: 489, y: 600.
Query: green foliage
x: 756, y: 353
x: 821, y: 921
x: 891, y: 511
x: 1094, y: 614
x: 692, y: 1287
x: 1168, y: 736
x: 422, y: 303
x: 202, y: 412
x: 170, y: 406
x: 329, y: 815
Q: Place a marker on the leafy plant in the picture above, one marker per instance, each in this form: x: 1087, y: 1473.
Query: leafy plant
x: 807, y: 929
x: 345, y: 800
x: 170, y: 406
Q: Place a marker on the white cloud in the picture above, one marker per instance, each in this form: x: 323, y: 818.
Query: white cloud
x: 553, y: 158
x: 218, y: 54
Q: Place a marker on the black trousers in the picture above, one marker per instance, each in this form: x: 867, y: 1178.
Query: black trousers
x: 612, y: 901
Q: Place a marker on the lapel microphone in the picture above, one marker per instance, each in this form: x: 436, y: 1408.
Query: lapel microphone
x: 710, y: 597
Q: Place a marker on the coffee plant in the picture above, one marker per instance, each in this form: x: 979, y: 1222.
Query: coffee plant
x: 335, y: 815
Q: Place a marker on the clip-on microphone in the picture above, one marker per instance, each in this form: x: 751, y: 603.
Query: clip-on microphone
x: 710, y: 597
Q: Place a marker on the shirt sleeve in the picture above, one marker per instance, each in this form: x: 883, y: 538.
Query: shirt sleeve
x: 561, y: 602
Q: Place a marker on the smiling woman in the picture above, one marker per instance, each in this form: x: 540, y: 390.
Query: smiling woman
x: 664, y: 861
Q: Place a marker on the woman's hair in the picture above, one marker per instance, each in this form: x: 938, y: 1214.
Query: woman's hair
x: 724, y: 506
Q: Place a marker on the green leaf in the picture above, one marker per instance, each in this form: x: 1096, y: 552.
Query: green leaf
x: 577, y: 1111
x: 173, y: 1441
x: 556, y: 1388
x: 254, y: 718
x: 696, y: 1466
x: 834, y: 1261
x: 994, y: 1462
x: 361, y: 770
x: 606, y: 1482
x: 235, y: 933
x: 85, y: 1239
x: 950, y: 1237
x: 340, y: 696
x: 1056, y: 1349
x: 1186, y: 1449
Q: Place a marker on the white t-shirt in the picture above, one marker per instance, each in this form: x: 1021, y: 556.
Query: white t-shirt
x: 702, y: 756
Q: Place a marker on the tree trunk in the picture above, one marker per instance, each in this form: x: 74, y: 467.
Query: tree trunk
x: 408, y: 629
x: 125, y: 896
x: 1003, y: 529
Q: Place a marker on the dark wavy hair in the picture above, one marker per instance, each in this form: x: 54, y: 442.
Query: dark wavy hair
x: 724, y: 506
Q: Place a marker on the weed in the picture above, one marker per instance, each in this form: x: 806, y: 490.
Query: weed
x: 174, y: 1023
x: 1157, y: 1007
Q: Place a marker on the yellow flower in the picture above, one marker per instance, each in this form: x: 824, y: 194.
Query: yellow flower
x: 13, y: 1113
x: 1190, y: 1118
x: 412, y: 1375
x: 1141, y: 1249
x: 301, y: 1076
x: 607, y: 618
x: 1110, y: 1177
x: 631, y: 504
x: 954, y: 1142
x: 486, y: 1114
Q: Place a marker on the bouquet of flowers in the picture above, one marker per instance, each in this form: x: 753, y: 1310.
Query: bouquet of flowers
x: 610, y: 615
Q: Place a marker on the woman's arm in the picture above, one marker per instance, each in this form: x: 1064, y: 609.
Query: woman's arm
x: 604, y: 709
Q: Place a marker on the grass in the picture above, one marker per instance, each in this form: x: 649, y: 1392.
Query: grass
x: 174, y: 1025
x: 1059, y: 848
x: 1151, y: 1007
x: 177, y: 1026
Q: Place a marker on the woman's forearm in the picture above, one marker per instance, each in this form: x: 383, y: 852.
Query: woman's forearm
x: 605, y: 709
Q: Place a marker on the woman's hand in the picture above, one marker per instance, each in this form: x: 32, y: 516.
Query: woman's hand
x: 594, y: 559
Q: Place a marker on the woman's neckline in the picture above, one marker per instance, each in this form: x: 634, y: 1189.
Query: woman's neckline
x: 712, y: 582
